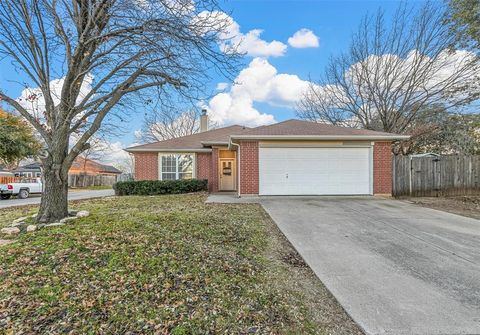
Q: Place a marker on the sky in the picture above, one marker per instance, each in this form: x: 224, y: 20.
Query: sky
x: 287, y: 42
x: 330, y: 22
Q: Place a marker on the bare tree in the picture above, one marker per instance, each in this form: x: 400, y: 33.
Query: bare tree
x: 169, y: 124
x: 442, y: 132
x: 126, y: 165
x: 96, y: 150
x: 391, y: 71
x: 106, y: 56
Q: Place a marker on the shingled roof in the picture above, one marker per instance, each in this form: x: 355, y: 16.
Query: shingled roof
x: 304, y: 129
x: 193, y: 142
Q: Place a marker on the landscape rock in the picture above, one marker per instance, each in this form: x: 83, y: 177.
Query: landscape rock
x: 34, y: 215
x: 70, y: 218
x: 31, y: 228
x: 72, y: 212
x: 10, y: 231
x: 23, y: 218
x: 55, y: 224
x: 83, y: 214
x: 5, y: 242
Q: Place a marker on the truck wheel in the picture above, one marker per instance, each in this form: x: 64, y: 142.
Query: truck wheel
x: 23, y: 194
x: 5, y: 196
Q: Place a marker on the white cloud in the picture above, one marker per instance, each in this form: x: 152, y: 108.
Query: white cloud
x: 222, y: 86
x: 400, y: 82
x: 304, y: 38
x: 430, y: 75
x: 115, y: 155
x: 105, y: 151
x: 138, y: 133
x: 253, y: 45
x: 233, y: 40
x: 33, y: 101
x: 259, y: 82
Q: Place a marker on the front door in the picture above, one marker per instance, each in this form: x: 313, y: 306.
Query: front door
x: 227, y: 174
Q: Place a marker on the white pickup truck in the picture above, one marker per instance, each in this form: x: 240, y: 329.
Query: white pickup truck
x: 21, y: 189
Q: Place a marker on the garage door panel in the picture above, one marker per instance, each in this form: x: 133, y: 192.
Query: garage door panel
x: 309, y: 171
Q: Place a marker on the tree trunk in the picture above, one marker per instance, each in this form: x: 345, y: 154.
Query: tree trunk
x: 54, y: 203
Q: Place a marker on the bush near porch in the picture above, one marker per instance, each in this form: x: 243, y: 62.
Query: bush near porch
x: 157, y: 187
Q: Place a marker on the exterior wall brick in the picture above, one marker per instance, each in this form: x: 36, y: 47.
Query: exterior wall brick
x: 382, y: 168
x: 205, y: 169
x: 146, y: 165
x: 214, y: 169
x: 249, y: 178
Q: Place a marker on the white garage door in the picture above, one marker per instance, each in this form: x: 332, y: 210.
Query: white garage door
x: 315, y: 171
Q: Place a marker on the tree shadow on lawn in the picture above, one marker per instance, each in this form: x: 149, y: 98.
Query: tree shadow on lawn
x: 163, y: 264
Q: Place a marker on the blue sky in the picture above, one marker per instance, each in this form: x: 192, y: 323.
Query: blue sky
x: 331, y: 21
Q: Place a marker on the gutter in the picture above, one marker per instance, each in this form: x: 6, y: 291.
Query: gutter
x: 210, y: 143
x: 238, y: 166
x: 133, y: 150
x: 321, y: 137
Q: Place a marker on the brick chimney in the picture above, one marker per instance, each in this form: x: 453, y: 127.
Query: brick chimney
x: 203, y: 121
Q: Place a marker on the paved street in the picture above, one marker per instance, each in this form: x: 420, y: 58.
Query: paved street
x: 72, y: 195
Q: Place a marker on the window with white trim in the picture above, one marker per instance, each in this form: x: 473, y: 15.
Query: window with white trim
x: 176, y: 166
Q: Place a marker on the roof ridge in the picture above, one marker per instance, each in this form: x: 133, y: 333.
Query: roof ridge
x: 270, y: 125
x: 194, y: 134
x: 284, y: 126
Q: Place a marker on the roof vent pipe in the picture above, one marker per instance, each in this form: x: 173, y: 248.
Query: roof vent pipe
x: 203, y: 121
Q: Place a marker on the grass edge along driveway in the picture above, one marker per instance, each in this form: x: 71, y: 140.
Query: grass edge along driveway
x: 163, y: 264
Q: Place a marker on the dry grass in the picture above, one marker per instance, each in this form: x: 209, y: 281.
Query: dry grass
x: 467, y: 205
x: 158, y: 265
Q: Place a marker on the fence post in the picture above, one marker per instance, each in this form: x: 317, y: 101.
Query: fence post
x: 410, y: 167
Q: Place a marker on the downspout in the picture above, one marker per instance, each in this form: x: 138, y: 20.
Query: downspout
x: 238, y: 166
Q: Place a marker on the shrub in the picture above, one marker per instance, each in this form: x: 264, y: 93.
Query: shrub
x: 154, y: 187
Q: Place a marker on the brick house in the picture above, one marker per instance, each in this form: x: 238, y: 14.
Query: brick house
x: 86, y: 166
x: 288, y: 158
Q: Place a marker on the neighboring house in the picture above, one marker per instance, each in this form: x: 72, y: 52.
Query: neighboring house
x: 5, y: 173
x: 85, y: 166
x: 85, y: 172
x: 81, y: 165
x: 33, y: 170
x: 288, y: 158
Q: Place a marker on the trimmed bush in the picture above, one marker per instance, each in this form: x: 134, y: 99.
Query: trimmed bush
x: 154, y: 187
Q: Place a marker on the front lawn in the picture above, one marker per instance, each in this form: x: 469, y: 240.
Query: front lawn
x: 162, y: 265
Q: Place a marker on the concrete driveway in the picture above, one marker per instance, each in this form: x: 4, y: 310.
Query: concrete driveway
x: 395, y: 267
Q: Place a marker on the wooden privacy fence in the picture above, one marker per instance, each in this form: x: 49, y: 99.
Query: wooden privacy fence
x: 436, y: 176
x: 6, y: 179
x: 85, y: 180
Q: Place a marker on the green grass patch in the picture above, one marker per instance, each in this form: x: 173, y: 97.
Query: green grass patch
x: 161, y: 264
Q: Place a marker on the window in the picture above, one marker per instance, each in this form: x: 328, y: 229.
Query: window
x: 185, y: 167
x: 176, y: 166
